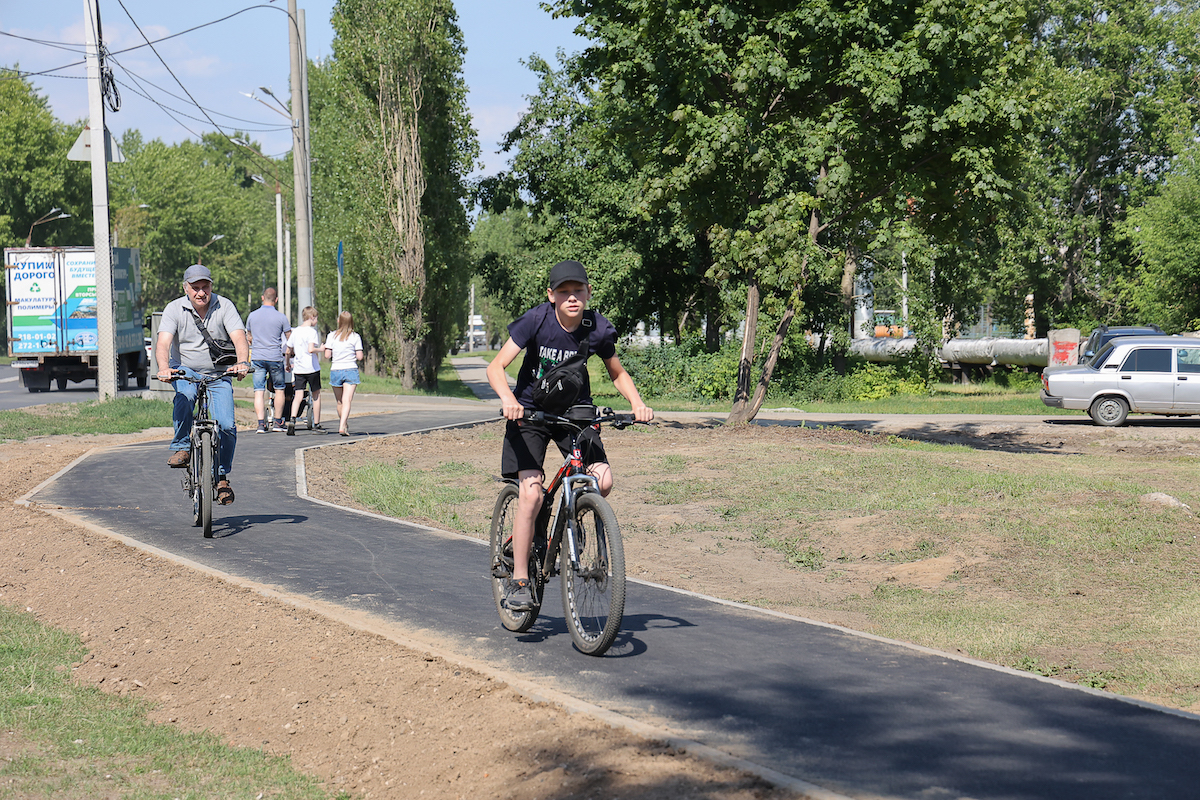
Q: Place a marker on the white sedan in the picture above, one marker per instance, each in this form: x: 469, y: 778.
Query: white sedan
x: 1132, y: 374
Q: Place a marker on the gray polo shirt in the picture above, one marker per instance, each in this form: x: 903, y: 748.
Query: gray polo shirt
x: 268, y: 327
x: 188, y: 346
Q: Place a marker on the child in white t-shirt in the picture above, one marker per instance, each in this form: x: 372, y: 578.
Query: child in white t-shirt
x: 344, y: 348
x: 304, y: 348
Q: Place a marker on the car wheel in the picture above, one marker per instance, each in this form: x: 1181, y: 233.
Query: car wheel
x: 1109, y: 411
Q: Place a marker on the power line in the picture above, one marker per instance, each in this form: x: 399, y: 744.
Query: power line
x: 141, y: 79
x: 171, y: 72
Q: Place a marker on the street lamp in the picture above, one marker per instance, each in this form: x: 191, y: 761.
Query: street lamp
x: 200, y: 256
x: 283, y: 281
x: 302, y: 168
x: 50, y: 216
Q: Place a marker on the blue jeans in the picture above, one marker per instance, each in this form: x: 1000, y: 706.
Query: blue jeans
x: 220, y: 407
x: 261, y: 368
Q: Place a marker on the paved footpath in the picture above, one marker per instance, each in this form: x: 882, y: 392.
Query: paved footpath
x: 830, y: 709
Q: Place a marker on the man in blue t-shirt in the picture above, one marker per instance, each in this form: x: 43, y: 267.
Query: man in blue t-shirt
x: 269, y: 330
x: 550, y: 334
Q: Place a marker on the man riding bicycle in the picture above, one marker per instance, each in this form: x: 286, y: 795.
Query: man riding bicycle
x: 550, y: 334
x: 194, y: 328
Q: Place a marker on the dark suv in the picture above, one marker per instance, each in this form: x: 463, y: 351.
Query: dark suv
x: 1105, y: 333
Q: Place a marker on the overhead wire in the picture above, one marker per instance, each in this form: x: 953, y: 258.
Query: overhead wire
x: 171, y: 72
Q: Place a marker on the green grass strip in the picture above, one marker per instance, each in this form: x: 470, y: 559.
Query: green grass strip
x: 120, y: 415
x: 80, y: 742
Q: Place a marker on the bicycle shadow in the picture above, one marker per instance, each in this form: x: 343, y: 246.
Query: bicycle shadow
x: 232, y: 526
x: 627, y: 643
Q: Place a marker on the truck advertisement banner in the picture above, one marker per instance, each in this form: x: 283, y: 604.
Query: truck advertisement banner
x: 52, y: 300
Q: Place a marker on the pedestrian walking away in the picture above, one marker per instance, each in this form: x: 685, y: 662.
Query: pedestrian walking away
x: 304, y: 348
x: 268, y: 329
x: 200, y: 332
x: 557, y: 337
x: 344, y: 349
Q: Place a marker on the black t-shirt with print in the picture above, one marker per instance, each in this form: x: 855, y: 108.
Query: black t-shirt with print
x: 546, y: 344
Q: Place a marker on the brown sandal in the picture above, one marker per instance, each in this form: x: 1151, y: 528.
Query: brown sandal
x: 224, y: 492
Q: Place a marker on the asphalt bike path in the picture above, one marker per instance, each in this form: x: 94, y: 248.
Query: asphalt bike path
x: 854, y: 714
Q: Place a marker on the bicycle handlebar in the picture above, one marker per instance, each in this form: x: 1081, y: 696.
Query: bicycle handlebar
x: 606, y: 415
x: 205, y: 377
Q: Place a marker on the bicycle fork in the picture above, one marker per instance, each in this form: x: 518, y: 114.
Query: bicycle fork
x: 573, y: 486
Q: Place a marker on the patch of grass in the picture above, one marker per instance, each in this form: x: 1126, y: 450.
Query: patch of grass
x: 671, y: 493
x: 119, y: 415
x: 400, y: 491
x: 84, y: 743
x: 926, y: 548
x: 796, y: 552
x: 672, y: 464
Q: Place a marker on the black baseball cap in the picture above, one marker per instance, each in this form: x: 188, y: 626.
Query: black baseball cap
x: 568, y: 271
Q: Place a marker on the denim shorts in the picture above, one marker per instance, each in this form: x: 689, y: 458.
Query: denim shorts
x: 261, y: 368
x: 338, y: 377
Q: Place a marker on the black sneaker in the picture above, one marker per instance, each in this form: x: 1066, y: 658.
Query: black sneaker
x: 262, y: 426
x: 291, y: 427
x: 519, y: 595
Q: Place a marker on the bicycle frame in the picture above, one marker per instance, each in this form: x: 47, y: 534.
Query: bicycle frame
x: 573, y: 478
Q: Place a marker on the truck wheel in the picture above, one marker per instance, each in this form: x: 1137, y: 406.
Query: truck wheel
x: 122, y: 374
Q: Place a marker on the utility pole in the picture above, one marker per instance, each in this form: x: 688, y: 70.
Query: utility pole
x: 304, y: 272
x: 312, y: 250
x: 106, y: 345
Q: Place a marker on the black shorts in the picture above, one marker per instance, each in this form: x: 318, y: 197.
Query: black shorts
x: 312, y: 379
x: 525, y: 446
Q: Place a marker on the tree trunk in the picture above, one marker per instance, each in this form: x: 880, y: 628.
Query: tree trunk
x: 744, y: 409
x: 399, y: 104
x: 741, y: 413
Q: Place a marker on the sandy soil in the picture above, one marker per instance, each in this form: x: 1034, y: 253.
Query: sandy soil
x: 382, y: 720
x: 365, y: 714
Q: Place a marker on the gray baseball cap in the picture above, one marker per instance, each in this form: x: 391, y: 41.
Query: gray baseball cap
x: 197, y: 272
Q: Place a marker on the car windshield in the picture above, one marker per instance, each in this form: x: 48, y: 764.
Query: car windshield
x: 1097, y: 361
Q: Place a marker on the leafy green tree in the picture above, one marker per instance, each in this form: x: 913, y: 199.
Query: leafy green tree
x: 395, y: 88
x: 37, y: 174
x: 1118, y: 80
x: 795, y: 135
x: 579, y: 189
x: 170, y: 200
x: 1166, y: 233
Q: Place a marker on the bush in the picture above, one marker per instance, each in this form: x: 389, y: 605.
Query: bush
x: 687, y: 371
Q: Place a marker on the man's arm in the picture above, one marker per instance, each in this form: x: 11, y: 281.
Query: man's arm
x: 624, y: 384
x: 241, y: 344
x: 162, y: 354
x: 498, y: 380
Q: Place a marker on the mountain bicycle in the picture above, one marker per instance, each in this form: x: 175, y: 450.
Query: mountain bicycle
x: 575, y: 534
x: 200, y: 480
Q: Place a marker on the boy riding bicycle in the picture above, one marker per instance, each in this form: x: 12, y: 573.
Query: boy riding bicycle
x: 550, y: 334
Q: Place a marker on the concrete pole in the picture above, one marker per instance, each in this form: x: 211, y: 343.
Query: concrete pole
x: 304, y: 275
x: 279, y: 243
x: 287, y: 269
x: 312, y: 250
x: 106, y: 346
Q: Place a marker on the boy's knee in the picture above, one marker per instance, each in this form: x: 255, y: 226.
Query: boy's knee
x: 604, y: 478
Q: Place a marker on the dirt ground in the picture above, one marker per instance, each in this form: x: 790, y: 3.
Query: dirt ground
x: 381, y: 720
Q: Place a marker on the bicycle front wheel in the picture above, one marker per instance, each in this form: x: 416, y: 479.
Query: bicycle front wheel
x: 593, y: 590
x: 205, y: 482
x: 502, y: 563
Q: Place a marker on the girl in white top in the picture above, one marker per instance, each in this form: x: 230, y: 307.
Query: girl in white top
x: 344, y: 349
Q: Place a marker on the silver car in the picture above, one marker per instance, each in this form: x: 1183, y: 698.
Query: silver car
x: 1130, y: 374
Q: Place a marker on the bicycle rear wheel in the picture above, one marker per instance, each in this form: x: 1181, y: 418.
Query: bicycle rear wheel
x: 502, y: 563
x: 205, y: 482
x: 594, y: 591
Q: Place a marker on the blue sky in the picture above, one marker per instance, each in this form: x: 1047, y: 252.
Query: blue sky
x: 250, y: 50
